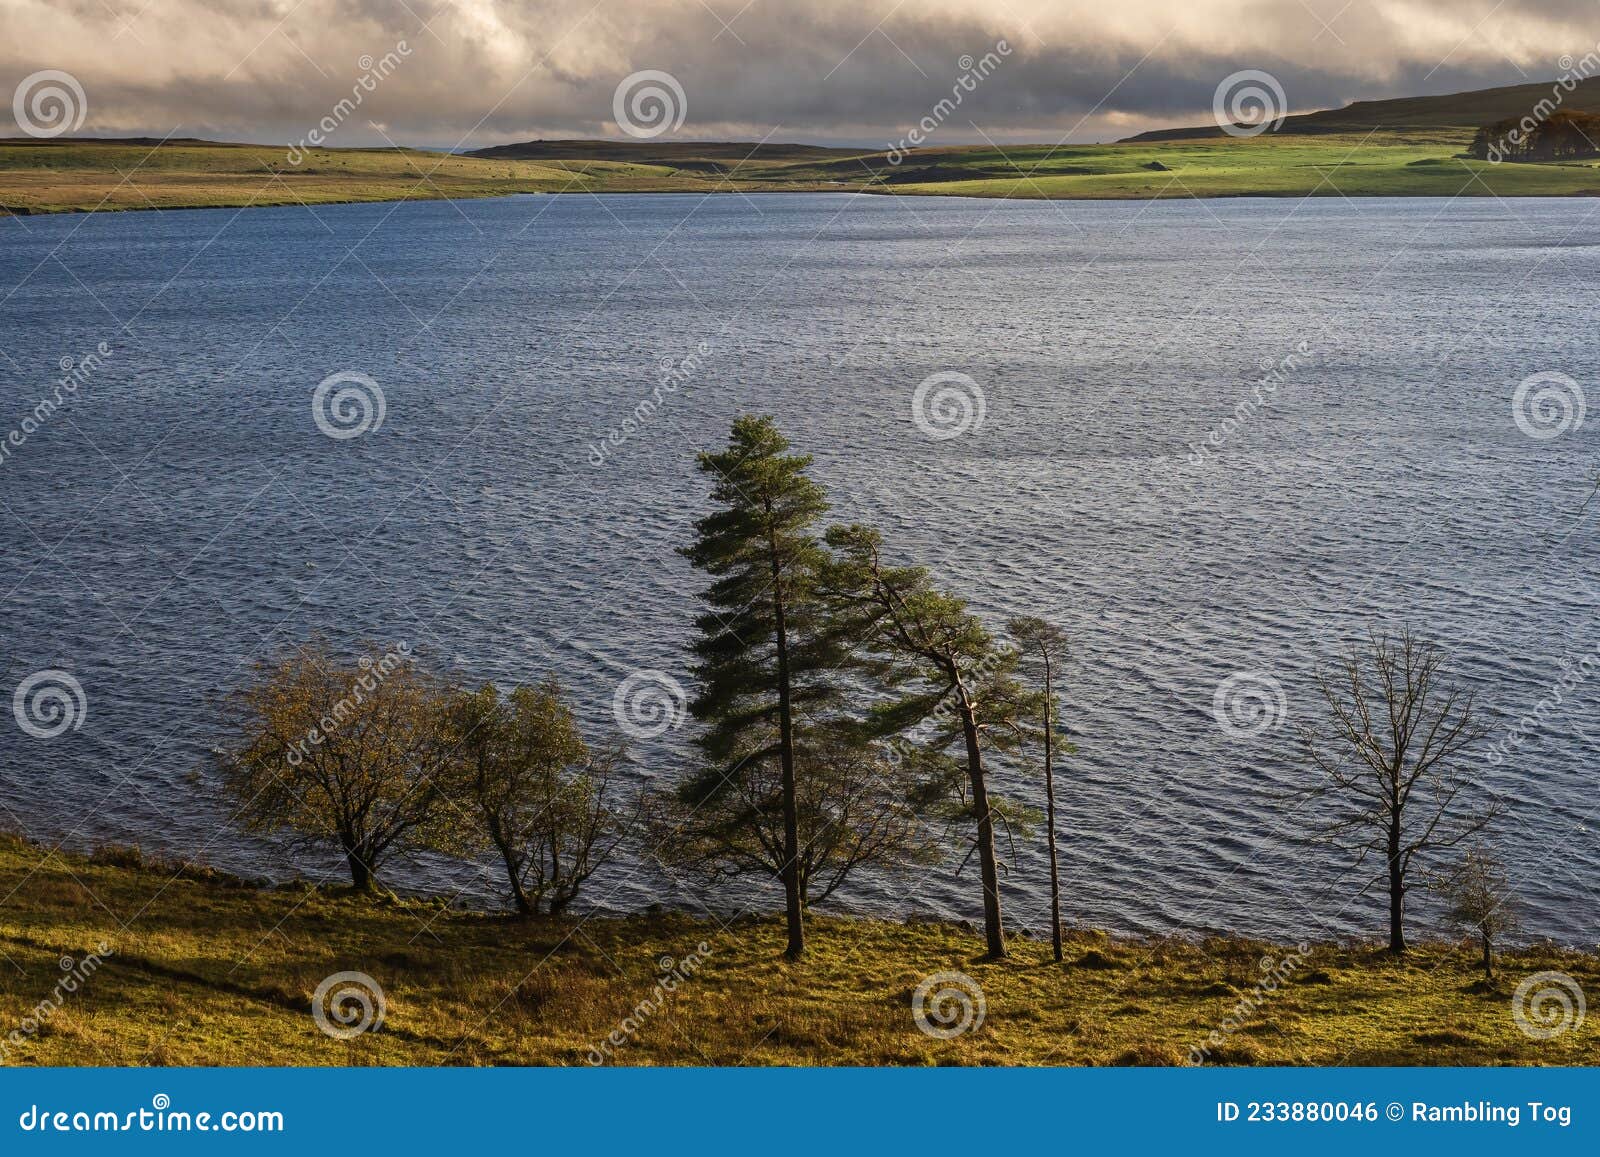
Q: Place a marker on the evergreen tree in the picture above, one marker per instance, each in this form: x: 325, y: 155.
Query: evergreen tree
x: 1046, y: 643
x: 764, y: 654
x: 955, y: 678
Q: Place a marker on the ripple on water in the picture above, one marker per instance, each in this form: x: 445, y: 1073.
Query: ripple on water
x: 191, y: 518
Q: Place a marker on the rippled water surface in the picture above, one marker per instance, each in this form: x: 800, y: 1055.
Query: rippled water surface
x: 184, y: 515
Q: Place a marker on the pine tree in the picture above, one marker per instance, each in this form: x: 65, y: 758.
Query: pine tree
x: 960, y: 681
x: 1047, y: 643
x: 764, y: 652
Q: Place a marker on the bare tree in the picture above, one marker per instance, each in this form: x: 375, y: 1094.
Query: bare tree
x: 1390, y: 760
x: 1047, y: 643
x: 1480, y: 898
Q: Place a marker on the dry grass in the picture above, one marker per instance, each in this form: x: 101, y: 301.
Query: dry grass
x: 59, y: 176
x: 206, y: 971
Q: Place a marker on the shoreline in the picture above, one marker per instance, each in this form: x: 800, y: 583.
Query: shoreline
x: 929, y: 193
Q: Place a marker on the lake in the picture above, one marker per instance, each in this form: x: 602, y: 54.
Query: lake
x: 1219, y: 441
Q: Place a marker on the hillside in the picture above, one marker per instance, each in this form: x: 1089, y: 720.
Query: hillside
x: 682, y: 153
x: 203, y: 969
x: 1413, y: 147
x: 1457, y: 110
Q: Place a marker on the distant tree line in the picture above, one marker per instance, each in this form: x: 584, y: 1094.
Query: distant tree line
x: 1560, y: 136
x: 850, y: 715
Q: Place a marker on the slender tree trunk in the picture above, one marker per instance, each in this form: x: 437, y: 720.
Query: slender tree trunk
x: 1397, y: 889
x: 793, y: 903
x: 993, y: 931
x: 1050, y: 810
x: 1488, y: 958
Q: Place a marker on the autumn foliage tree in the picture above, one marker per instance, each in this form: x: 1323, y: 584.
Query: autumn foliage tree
x: 531, y: 791
x: 340, y: 753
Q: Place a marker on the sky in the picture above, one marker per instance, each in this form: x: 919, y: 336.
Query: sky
x: 469, y: 73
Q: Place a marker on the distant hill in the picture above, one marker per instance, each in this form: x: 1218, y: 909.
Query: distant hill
x: 123, y: 142
x: 684, y: 154
x: 1457, y: 110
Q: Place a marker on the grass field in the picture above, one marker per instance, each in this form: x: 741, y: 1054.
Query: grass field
x: 66, y: 175
x: 1400, y: 164
x: 201, y: 969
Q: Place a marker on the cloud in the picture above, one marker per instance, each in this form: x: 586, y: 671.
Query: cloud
x: 482, y: 72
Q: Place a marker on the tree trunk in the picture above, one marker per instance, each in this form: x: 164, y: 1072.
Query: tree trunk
x: 1050, y: 811
x: 993, y: 932
x: 1488, y: 958
x: 519, y: 894
x: 792, y: 901
x: 361, y: 876
x: 1397, y: 890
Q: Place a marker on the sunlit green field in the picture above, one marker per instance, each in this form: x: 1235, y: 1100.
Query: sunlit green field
x: 54, y: 176
x: 1378, y: 165
x: 201, y: 969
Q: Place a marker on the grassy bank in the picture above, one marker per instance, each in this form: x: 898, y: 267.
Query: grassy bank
x: 67, y: 175
x: 205, y: 970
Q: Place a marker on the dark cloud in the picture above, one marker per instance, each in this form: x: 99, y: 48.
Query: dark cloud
x: 486, y: 71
